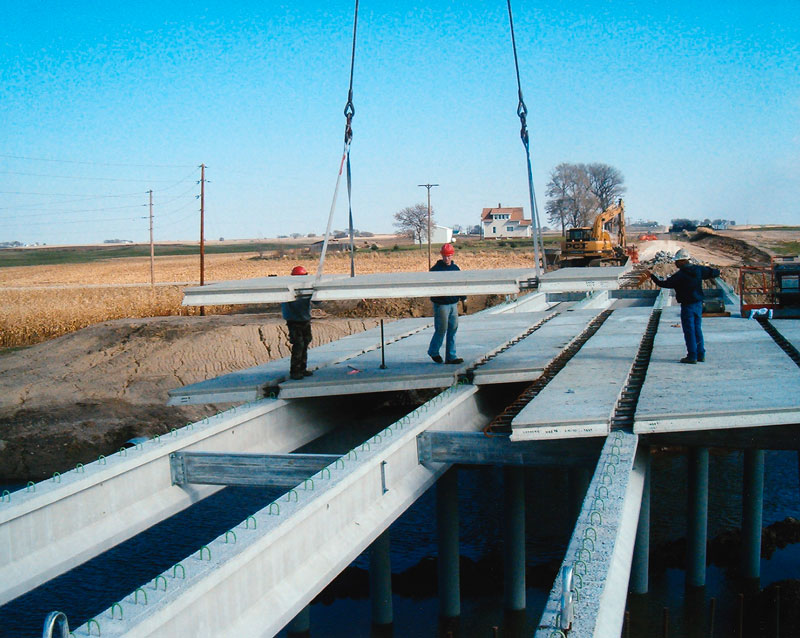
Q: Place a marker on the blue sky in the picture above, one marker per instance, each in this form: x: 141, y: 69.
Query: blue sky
x: 696, y: 104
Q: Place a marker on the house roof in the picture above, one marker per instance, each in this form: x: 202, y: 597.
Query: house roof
x: 514, y: 214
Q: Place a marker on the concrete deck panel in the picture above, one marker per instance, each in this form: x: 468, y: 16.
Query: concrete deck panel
x: 408, y: 365
x: 790, y: 329
x: 746, y: 380
x: 504, y: 281
x: 250, y: 384
x: 258, y: 290
x: 400, y: 284
x: 526, y: 360
x: 595, y: 278
x: 580, y: 399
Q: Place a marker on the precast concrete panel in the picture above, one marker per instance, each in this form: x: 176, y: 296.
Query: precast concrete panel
x: 408, y: 365
x: 526, y: 360
x: 249, y: 384
x: 580, y: 399
x: 745, y: 381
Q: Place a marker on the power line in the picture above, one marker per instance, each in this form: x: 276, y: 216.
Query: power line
x: 65, y: 161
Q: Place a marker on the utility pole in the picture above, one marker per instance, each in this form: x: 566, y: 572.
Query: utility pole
x: 152, y: 252
x: 429, y: 187
x: 202, y: 239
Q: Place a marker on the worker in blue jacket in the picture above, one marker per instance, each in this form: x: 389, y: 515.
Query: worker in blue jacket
x: 445, y: 314
x: 688, y: 286
x: 297, y: 314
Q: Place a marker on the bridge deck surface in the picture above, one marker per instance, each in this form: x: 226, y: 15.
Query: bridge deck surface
x: 746, y: 380
x: 580, y: 399
x: 526, y: 360
x: 408, y: 365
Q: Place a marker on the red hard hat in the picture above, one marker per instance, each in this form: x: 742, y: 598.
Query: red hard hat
x: 448, y: 249
x: 299, y: 270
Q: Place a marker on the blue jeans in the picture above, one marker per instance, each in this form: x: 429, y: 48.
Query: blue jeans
x: 692, y: 324
x: 445, y: 320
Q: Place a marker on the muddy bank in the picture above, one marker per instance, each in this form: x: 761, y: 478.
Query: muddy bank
x: 70, y: 399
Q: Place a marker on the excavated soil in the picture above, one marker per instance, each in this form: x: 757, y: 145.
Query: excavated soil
x: 73, y: 398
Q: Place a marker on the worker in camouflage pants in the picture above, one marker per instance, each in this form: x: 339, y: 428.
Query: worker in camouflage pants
x: 297, y: 314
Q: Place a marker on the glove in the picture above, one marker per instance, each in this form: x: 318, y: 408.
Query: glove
x: 464, y: 305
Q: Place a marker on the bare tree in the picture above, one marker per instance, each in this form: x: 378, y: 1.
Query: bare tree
x: 413, y: 221
x: 605, y: 183
x: 572, y: 202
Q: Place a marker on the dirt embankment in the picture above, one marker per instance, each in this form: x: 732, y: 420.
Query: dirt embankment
x: 70, y: 399
x: 742, y: 252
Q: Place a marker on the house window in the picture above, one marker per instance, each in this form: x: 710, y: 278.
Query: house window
x: 510, y: 229
x: 494, y: 230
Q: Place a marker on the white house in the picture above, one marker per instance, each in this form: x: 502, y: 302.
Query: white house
x: 439, y: 235
x: 504, y: 222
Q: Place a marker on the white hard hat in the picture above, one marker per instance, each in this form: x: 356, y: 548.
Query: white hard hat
x: 681, y: 254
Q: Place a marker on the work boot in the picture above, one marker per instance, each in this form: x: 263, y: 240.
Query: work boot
x: 436, y: 358
x: 701, y: 358
x: 456, y: 360
x: 688, y: 360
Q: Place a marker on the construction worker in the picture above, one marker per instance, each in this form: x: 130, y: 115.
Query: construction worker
x: 688, y: 286
x: 445, y: 314
x: 297, y: 314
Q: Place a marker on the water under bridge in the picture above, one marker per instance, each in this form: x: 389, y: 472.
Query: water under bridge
x: 596, y: 385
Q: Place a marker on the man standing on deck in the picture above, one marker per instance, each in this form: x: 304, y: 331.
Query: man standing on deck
x: 445, y: 314
x: 297, y: 314
x: 688, y: 286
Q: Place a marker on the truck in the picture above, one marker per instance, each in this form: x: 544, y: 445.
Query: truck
x: 594, y: 245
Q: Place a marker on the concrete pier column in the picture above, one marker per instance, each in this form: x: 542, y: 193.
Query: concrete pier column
x: 449, y: 569
x: 300, y: 627
x: 697, y: 517
x: 514, y: 536
x: 380, y: 584
x: 752, y: 503
x: 640, y: 565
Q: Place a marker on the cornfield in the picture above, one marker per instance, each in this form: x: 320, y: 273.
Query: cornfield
x: 38, y: 303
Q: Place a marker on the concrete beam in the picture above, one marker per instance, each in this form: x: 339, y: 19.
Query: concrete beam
x: 601, y: 548
x: 288, y: 552
x: 62, y: 523
x: 475, y: 448
x: 263, y: 470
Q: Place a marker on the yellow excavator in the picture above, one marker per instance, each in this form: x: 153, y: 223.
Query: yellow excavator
x: 594, y: 246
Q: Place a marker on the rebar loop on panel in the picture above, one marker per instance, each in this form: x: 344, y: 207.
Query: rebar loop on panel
x: 778, y: 338
x: 625, y: 409
x: 501, y: 424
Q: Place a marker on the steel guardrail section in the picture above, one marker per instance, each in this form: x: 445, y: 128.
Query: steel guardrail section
x: 103, y: 503
x: 600, y: 550
x: 274, y: 563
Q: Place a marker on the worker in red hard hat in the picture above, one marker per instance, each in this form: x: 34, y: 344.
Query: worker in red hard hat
x: 445, y: 315
x: 297, y: 314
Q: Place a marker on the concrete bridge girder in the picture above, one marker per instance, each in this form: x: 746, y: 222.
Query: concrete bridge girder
x: 44, y: 533
x: 299, y: 545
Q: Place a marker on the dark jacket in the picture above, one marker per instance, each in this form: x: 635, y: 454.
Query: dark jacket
x: 297, y: 310
x: 687, y: 282
x: 440, y: 265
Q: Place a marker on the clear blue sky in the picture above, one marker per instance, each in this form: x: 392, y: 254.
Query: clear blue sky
x: 697, y: 104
